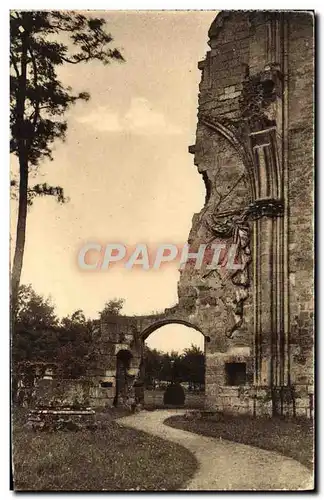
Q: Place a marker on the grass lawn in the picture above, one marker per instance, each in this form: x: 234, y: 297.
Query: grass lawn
x: 110, y: 458
x: 293, y: 438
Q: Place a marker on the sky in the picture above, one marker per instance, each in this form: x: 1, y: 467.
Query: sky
x: 126, y: 170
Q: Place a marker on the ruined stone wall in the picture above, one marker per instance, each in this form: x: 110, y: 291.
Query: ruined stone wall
x: 301, y: 197
x: 228, y: 190
x: 118, y: 335
x: 115, y: 334
x: 254, y: 149
x: 63, y: 392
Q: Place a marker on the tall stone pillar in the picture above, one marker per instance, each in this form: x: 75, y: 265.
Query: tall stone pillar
x: 267, y: 212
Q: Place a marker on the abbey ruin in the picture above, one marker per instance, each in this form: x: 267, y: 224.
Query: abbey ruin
x: 254, y: 151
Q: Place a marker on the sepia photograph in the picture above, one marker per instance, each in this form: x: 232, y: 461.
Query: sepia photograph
x: 162, y: 201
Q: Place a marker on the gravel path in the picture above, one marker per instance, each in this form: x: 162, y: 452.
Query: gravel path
x: 225, y: 465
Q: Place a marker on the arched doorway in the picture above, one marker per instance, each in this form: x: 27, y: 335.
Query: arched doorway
x: 173, y: 355
x: 123, y: 379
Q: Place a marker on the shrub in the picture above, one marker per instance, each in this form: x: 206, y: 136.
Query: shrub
x: 174, y: 395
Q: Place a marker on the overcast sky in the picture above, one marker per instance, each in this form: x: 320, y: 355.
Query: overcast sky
x: 126, y: 168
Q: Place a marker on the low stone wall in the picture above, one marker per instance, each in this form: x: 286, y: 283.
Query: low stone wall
x: 258, y: 401
x: 61, y: 419
x: 94, y: 392
x: 155, y: 398
x: 61, y: 404
x: 304, y: 401
x: 101, y: 393
x: 62, y: 393
x: 50, y: 391
x: 246, y: 399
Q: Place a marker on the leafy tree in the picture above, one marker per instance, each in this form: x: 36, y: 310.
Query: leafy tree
x: 40, y: 42
x: 193, y: 366
x: 193, y: 351
x: 40, y: 341
x: 36, y: 328
x: 39, y: 336
x: 113, y: 307
x: 173, y: 367
x: 169, y: 366
x: 34, y: 310
x: 75, y: 351
x: 152, y: 366
x: 76, y: 319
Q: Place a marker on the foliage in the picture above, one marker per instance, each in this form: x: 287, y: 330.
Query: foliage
x: 34, y: 310
x: 152, y: 366
x: 39, y: 336
x: 75, y: 352
x: 35, y: 335
x: 40, y: 43
x: 113, y: 307
x: 174, y: 395
x: 193, y: 366
x: 188, y: 367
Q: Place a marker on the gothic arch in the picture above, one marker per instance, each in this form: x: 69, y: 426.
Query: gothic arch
x: 232, y: 136
x: 168, y: 321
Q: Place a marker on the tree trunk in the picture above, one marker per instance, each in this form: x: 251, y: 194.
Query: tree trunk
x: 23, y: 180
x: 20, y: 232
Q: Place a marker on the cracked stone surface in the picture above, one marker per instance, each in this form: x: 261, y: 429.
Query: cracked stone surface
x: 225, y: 465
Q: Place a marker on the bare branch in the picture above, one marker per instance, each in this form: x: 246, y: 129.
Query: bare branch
x: 75, y: 62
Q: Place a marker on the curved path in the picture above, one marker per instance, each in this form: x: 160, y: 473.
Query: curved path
x: 225, y: 465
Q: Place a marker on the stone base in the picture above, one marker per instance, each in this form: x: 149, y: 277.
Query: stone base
x: 61, y: 419
x: 258, y: 401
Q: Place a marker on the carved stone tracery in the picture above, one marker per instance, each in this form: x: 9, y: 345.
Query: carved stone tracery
x: 259, y: 94
x: 235, y: 228
x: 257, y: 115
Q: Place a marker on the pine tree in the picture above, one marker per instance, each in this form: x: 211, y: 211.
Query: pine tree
x: 40, y: 42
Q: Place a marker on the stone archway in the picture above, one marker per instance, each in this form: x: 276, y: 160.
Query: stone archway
x: 193, y: 389
x: 168, y: 321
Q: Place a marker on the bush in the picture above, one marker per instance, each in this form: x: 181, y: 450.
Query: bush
x: 174, y: 395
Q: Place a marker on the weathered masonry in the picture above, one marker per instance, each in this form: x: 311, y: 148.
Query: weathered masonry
x: 254, y: 150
